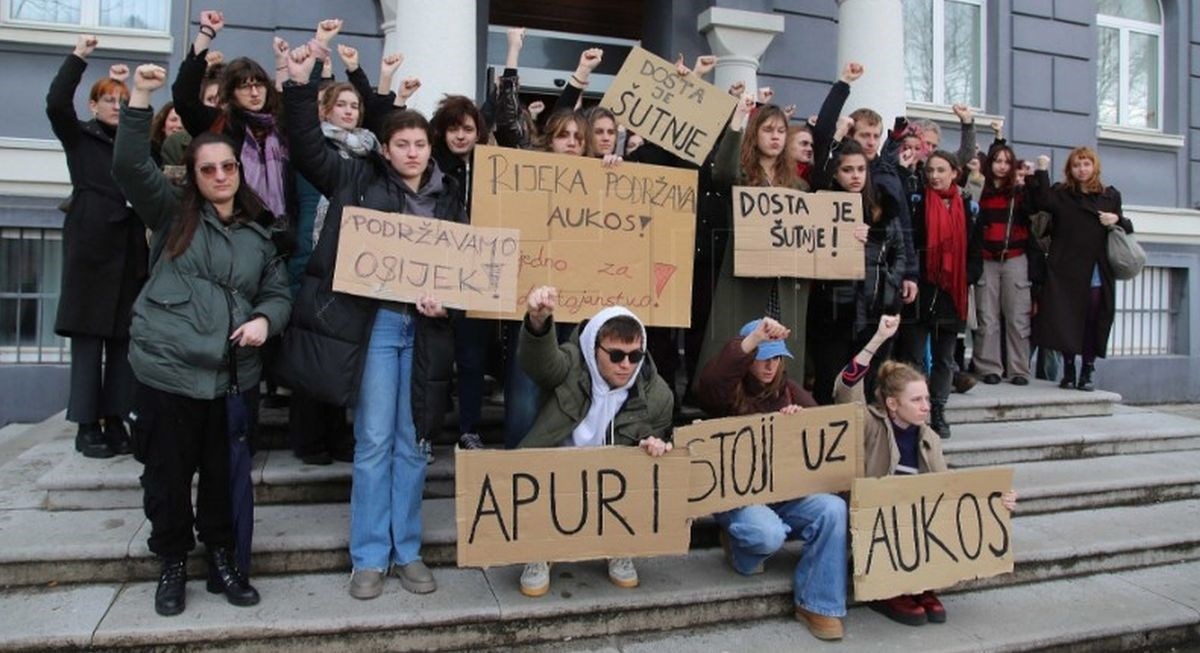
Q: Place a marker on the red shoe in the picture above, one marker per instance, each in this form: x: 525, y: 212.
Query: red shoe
x: 903, y: 609
x: 934, y: 610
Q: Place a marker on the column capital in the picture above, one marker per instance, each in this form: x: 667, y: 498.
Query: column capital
x: 738, y: 32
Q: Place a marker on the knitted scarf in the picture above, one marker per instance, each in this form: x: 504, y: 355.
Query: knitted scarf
x: 265, y: 164
x: 349, y: 143
x: 946, y: 245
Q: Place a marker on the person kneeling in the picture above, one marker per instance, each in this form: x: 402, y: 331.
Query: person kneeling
x: 898, y: 440
x: 602, y: 389
x: 750, y: 376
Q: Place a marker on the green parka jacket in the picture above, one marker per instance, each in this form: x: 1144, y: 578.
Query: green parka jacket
x: 179, y: 336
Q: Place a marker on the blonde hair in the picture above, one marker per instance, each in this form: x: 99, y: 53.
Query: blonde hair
x: 893, y: 377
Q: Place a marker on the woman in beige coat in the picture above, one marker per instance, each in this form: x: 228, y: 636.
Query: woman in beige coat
x: 897, y: 440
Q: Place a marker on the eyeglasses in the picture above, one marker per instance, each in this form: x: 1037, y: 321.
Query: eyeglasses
x: 251, y: 84
x: 617, y: 356
x: 209, y: 170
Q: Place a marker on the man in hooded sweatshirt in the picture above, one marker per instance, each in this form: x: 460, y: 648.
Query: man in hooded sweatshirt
x: 603, y: 390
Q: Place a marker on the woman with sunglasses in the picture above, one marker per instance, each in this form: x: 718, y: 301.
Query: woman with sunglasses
x: 749, y: 376
x: 217, y: 290
x: 104, y: 254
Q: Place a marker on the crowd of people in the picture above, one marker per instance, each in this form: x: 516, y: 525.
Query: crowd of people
x: 201, y: 242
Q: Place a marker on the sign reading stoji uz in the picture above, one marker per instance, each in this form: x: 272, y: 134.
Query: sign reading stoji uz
x: 684, y: 115
x: 764, y: 458
x: 531, y: 505
x: 398, y: 257
x: 929, y: 531
x: 619, y: 236
x: 778, y: 232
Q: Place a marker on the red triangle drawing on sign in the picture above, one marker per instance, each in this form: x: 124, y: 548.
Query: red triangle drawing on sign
x: 662, y: 274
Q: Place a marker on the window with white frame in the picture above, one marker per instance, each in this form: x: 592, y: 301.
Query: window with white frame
x: 94, y: 15
x: 944, y: 46
x: 1129, y: 63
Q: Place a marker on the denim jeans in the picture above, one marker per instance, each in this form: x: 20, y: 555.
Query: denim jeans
x: 389, y: 473
x: 819, y: 521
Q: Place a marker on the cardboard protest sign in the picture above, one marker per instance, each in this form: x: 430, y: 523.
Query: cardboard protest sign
x: 763, y: 458
x: 620, y: 236
x: 398, y: 257
x: 684, y: 115
x: 915, y: 533
x: 529, y: 505
x: 778, y: 232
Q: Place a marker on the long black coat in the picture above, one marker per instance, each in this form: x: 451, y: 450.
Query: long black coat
x: 1078, y: 243
x: 324, y: 348
x: 104, y: 243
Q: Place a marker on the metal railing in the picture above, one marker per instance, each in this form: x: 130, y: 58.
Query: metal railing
x: 30, y: 274
x: 1148, y: 309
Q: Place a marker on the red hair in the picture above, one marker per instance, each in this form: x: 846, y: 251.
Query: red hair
x: 1093, y: 185
x: 108, y: 86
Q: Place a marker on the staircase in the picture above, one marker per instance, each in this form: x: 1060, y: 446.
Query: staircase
x: 1106, y: 539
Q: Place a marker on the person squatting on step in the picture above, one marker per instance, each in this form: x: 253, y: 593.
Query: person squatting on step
x: 217, y: 291
x: 600, y: 388
x: 897, y: 440
x: 749, y: 376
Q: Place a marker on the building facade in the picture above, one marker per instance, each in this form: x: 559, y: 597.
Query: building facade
x: 1122, y: 76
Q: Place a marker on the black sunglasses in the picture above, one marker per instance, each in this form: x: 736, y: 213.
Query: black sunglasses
x: 617, y: 356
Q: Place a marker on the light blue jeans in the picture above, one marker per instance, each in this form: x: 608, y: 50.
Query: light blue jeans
x: 819, y: 521
x: 389, y: 473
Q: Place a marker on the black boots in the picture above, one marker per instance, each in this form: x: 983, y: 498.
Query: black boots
x: 90, y: 441
x: 1068, y: 377
x: 169, y: 597
x: 224, y: 576
x: 937, y: 420
x: 1085, y: 378
x: 116, y: 435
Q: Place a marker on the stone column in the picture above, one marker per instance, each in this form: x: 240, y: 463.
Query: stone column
x: 739, y: 39
x: 872, y: 33
x: 438, y: 40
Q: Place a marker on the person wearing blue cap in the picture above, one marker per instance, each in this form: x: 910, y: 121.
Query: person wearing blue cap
x: 749, y: 376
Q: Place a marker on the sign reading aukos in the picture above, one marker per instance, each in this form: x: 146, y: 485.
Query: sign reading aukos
x: 929, y: 531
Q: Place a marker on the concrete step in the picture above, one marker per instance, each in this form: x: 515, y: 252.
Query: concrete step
x: 39, y: 547
x: 1128, y: 430
x: 78, y: 483
x: 684, y: 603
x: 1133, y: 479
x: 1039, y: 400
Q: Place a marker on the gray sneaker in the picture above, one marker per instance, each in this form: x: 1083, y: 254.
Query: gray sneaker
x: 366, y: 583
x: 622, y: 573
x: 415, y: 577
x: 535, y: 580
x: 425, y: 448
x: 470, y: 441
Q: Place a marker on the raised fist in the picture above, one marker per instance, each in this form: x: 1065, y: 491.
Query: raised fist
x: 590, y: 58
x: 327, y: 29
x: 118, y: 72
x: 212, y: 19
x: 851, y: 72
x: 540, y: 304
x: 516, y: 37
x: 85, y: 45
x: 149, y: 77
x: 349, y: 56
x: 704, y: 64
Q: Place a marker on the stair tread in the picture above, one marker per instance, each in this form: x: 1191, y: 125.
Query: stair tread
x: 1058, y: 477
x: 1122, y: 425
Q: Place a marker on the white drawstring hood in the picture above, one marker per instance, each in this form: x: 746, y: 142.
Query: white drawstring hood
x: 596, y: 428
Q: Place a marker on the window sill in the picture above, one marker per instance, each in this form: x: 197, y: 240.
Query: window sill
x: 1136, y: 136
x: 120, y: 40
x: 943, y: 113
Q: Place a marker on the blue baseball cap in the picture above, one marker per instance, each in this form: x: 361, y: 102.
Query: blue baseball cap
x: 768, y: 349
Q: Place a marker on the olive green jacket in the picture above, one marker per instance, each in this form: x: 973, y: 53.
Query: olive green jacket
x: 182, y: 319
x: 562, y: 374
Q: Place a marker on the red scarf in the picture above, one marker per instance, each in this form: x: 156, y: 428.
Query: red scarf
x: 946, y: 245
x: 803, y: 170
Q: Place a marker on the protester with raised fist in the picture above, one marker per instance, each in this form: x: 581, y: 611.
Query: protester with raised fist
x: 391, y: 362
x: 217, y: 290
x: 747, y: 377
x: 602, y: 373
x: 1075, y: 312
x: 104, y: 257
x: 897, y: 440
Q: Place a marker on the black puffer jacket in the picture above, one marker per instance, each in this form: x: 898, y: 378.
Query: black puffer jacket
x: 325, y: 346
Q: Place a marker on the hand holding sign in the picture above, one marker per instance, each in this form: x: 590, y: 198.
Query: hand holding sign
x: 655, y: 447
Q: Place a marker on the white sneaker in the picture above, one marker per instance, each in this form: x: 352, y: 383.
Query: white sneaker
x: 535, y: 580
x: 425, y: 448
x: 622, y: 573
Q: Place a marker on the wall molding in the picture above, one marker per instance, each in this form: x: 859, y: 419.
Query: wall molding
x: 1143, y: 137
x: 33, y: 167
